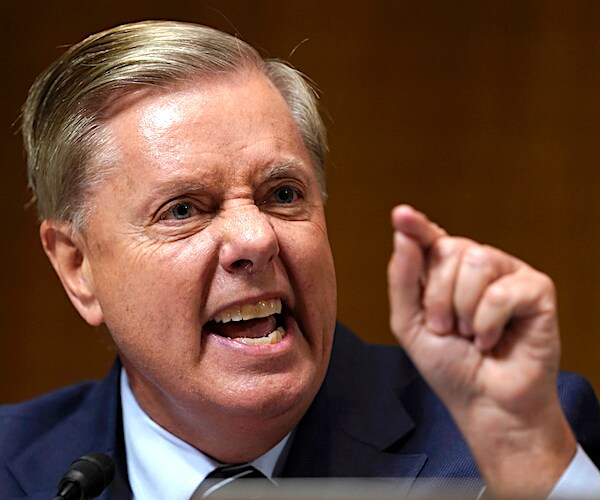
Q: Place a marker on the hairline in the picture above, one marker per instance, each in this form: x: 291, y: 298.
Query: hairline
x: 64, y: 118
x: 106, y: 155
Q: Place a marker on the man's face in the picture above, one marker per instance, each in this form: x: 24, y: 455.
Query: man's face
x: 213, y: 212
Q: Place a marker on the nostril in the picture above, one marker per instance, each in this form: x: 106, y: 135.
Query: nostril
x: 242, y: 265
x: 247, y: 248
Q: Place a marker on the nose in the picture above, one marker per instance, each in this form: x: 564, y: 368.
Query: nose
x: 249, y: 240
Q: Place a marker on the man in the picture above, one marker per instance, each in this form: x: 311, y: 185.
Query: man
x: 179, y: 179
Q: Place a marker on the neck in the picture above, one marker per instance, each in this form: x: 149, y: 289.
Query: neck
x: 223, y: 435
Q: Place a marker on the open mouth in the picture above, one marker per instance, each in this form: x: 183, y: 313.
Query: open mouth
x: 252, y: 324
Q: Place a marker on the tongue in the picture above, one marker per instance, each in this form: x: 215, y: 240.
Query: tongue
x: 252, y: 328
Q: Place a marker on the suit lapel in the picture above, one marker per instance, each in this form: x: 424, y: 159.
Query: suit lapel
x: 354, y: 421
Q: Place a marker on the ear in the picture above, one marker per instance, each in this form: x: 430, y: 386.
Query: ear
x: 67, y: 252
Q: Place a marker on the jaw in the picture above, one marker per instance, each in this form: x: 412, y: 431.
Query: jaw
x: 234, y: 400
x: 243, y: 402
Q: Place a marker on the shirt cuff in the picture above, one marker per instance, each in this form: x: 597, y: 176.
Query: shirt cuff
x: 581, y: 479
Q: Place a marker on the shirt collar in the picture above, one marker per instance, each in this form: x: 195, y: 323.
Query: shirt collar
x: 160, y: 465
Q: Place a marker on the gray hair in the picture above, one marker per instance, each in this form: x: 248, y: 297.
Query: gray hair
x: 63, y: 122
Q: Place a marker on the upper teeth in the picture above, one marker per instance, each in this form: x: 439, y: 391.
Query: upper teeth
x: 261, y: 309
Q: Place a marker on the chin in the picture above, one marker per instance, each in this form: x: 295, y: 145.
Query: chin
x: 273, y: 396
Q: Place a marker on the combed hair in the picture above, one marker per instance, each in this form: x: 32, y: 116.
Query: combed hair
x: 68, y: 149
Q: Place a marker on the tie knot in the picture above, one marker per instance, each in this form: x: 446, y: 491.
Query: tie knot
x: 235, y: 471
x: 224, y: 482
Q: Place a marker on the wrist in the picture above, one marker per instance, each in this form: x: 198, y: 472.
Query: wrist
x: 520, y: 456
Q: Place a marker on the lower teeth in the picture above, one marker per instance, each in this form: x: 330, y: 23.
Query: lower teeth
x: 272, y: 338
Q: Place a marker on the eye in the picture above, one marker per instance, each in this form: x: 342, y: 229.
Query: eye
x: 179, y: 211
x: 285, y: 195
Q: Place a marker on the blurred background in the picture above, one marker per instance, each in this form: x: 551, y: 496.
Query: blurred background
x: 485, y: 115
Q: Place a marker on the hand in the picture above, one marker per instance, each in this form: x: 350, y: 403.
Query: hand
x: 481, y: 327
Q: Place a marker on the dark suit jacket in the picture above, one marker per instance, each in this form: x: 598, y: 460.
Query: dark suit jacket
x: 373, y: 417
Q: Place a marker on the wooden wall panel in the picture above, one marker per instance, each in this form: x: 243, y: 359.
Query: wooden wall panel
x: 483, y: 114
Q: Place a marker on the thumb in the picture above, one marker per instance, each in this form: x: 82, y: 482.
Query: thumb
x: 404, y: 272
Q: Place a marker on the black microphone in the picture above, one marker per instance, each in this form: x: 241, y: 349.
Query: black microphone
x: 87, y: 477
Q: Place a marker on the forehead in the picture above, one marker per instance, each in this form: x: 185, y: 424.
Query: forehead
x: 224, y: 118
x: 246, y: 98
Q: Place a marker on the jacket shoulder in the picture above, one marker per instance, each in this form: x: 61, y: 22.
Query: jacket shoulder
x: 23, y: 423
x: 39, y: 438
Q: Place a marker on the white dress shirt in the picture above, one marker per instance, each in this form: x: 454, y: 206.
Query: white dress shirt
x: 581, y: 479
x: 160, y: 465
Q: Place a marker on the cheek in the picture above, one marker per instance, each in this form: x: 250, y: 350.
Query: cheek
x: 307, y: 256
x: 312, y: 249
x: 152, y: 290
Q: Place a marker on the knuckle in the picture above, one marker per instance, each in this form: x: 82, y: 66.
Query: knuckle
x: 447, y: 247
x: 547, y: 291
x: 497, y: 295
x: 477, y: 255
x: 538, y: 280
x: 479, y: 259
x: 547, y: 284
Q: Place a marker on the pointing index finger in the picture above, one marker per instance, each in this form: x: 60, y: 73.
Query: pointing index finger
x: 416, y: 225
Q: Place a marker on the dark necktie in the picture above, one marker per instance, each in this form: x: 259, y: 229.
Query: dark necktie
x: 226, y: 482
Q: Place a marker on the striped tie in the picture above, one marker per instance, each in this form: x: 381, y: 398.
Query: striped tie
x: 224, y: 482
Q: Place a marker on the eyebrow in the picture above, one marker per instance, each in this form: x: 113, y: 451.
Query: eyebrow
x: 174, y: 186
x: 283, y: 169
